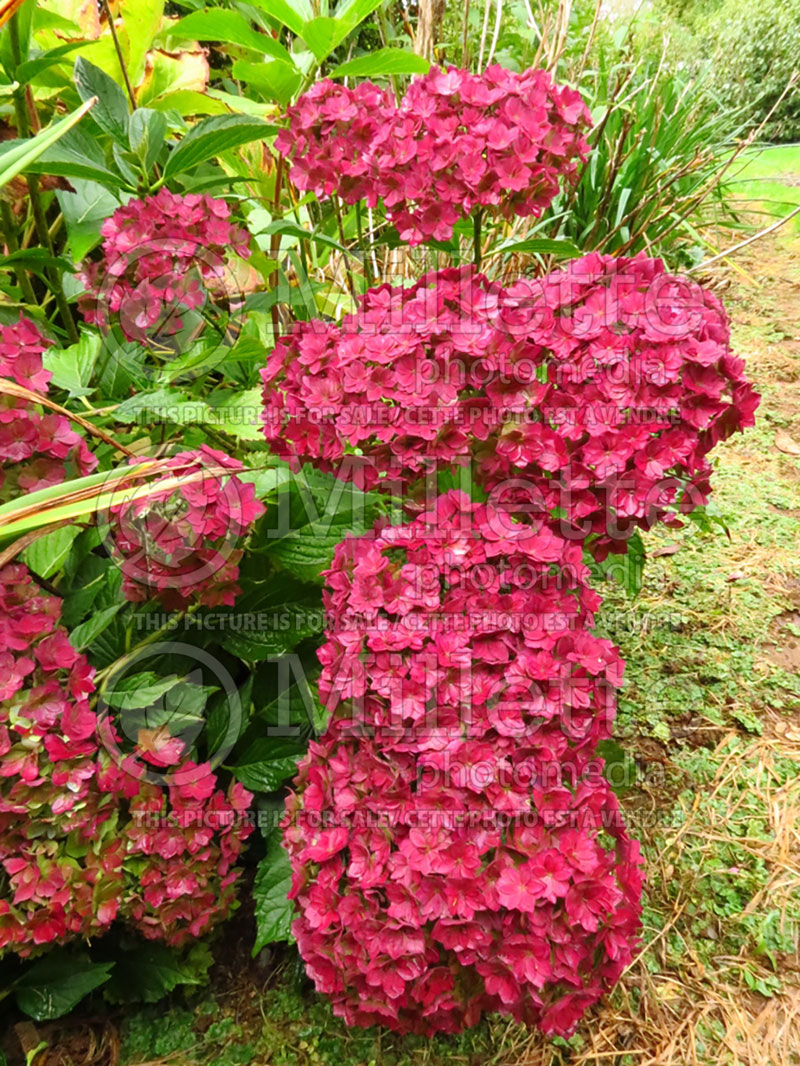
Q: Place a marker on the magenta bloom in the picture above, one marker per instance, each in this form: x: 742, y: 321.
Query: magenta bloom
x: 58, y: 846
x: 36, y: 449
x: 182, y: 544
x: 597, y: 390
x: 500, y: 141
x: 446, y: 834
x: 162, y: 256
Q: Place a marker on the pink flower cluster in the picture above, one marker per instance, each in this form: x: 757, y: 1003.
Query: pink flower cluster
x: 77, y: 847
x: 57, y: 848
x: 639, y: 385
x: 448, y: 832
x: 181, y: 543
x: 599, y: 390
x: 457, y: 141
x: 161, y: 256
x: 182, y: 842
x: 36, y: 449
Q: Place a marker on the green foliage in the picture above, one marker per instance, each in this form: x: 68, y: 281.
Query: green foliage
x: 756, y: 46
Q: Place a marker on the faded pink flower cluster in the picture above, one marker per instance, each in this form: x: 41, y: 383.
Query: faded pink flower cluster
x: 58, y: 850
x: 183, y: 841
x: 36, y: 449
x: 448, y: 835
x: 161, y: 256
x: 181, y: 543
x: 457, y: 141
x: 602, y: 387
x: 75, y: 849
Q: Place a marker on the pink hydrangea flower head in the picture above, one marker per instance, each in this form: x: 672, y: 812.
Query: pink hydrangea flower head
x: 499, y: 141
x: 58, y: 847
x: 162, y: 255
x: 37, y: 448
x: 421, y: 905
x: 641, y: 384
x: 181, y: 542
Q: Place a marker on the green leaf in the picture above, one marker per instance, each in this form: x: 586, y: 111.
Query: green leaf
x: 47, y: 555
x: 82, y: 636
x: 382, y: 63
x: 273, y: 880
x: 162, y: 405
x: 147, y: 972
x: 36, y: 260
x: 277, y: 80
x: 27, y: 71
x: 314, y: 513
x: 541, y: 246
x: 322, y: 34
x: 85, y: 209
x: 72, y: 367
x: 238, y: 413
x: 55, y: 984
x: 76, y: 155
x: 146, y: 134
x: 213, y: 135
x: 291, y: 13
x: 20, y: 155
x: 139, y: 690
x: 232, y: 28
x: 281, y: 628
x: 266, y: 763
x: 352, y: 13
x: 111, y: 110
x: 627, y: 569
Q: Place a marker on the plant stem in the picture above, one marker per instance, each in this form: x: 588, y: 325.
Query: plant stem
x: 37, y: 210
x: 348, y: 269
x: 10, y: 234
x: 120, y: 57
x: 275, y: 247
x: 367, y: 271
x: 477, y: 239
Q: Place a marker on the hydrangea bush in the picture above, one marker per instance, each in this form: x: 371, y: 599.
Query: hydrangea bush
x: 453, y: 847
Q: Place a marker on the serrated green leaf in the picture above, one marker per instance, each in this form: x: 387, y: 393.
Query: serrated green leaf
x: 85, y: 208
x: 284, y: 626
x: 55, y: 984
x: 111, y: 110
x: 277, y: 80
x: 383, y: 62
x: 291, y: 13
x: 85, y: 634
x: 72, y: 367
x: 213, y: 135
x: 47, y: 555
x: 273, y: 910
x: 146, y: 133
x: 139, y: 691
x: 238, y: 413
x: 266, y: 763
x: 229, y: 27
x: 147, y: 972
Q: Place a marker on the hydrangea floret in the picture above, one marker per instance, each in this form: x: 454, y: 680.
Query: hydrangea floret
x: 37, y: 449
